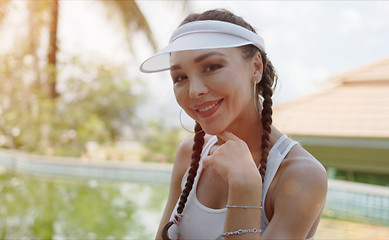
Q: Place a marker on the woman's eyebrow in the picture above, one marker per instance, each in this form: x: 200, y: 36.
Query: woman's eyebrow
x: 175, y: 67
x: 198, y: 59
x: 204, y: 56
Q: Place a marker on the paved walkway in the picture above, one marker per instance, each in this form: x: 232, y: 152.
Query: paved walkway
x: 343, y: 230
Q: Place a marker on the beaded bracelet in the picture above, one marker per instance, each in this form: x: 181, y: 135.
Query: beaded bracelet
x: 245, y: 207
x: 242, y: 231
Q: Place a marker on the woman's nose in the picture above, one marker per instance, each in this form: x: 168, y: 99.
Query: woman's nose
x: 197, y: 88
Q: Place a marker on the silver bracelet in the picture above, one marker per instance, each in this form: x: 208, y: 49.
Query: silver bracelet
x: 245, y: 207
x: 242, y: 231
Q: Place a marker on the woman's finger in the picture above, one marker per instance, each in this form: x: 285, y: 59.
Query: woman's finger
x: 225, y: 136
x: 206, y: 162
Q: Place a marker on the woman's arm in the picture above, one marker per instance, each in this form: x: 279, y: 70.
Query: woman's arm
x: 247, y: 192
x: 234, y: 163
x: 299, y: 199
x: 181, y: 164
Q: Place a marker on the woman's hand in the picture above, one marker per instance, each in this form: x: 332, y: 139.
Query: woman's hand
x: 233, y: 161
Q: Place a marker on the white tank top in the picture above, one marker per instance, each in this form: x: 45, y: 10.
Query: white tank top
x: 201, y: 222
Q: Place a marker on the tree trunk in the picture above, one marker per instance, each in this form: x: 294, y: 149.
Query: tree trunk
x: 34, y: 34
x: 52, y: 61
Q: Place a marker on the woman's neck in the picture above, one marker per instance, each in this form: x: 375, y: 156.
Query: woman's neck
x: 250, y: 131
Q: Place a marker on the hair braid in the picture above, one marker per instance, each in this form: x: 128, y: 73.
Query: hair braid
x: 265, y: 89
x: 194, y: 165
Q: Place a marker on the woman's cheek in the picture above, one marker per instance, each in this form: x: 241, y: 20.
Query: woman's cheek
x: 180, y: 97
x: 183, y: 100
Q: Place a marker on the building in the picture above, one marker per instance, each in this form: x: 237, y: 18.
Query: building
x: 346, y: 127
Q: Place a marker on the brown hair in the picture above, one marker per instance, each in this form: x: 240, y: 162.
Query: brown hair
x: 194, y: 165
x: 264, y: 88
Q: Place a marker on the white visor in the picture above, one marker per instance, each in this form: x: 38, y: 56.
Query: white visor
x: 205, y: 34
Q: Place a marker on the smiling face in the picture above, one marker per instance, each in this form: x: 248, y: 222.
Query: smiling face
x: 215, y: 87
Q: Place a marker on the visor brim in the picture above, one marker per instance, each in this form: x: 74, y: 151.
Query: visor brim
x: 209, y: 40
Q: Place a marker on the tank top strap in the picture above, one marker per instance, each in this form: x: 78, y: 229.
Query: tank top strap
x: 276, y: 154
x: 207, y: 147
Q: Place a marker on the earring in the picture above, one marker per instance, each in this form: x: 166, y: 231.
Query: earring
x: 255, y: 98
x: 182, y: 125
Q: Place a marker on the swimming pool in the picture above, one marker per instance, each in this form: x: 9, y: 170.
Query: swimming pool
x: 63, y: 198
x: 56, y: 208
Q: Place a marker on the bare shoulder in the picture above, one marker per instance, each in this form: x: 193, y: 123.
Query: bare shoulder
x: 182, y: 159
x: 183, y: 155
x: 299, y: 164
x: 298, y: 197
x: 305, y: 172
x: 302, y: 180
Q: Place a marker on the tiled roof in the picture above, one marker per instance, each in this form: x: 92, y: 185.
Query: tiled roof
x: 378, y: 71
x: 357, y: 106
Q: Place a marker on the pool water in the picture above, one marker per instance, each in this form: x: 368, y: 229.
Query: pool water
x: 36, y: 207
x: 57, y: 208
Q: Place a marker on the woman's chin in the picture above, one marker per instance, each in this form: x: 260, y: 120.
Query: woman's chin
x: 213, y: 131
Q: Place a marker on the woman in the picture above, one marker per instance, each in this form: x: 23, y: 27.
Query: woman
x: 239, y: 178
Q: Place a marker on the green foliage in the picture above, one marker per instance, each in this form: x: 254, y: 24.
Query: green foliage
x: 162, y: 142
x: 96, y: 102
x: 50, y: 106
x: 362, y: 177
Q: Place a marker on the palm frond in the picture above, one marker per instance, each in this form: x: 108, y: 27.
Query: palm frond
x: 3, y: 9
x: 134, y: 19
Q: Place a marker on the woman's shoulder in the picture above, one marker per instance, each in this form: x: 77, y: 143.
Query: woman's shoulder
x: 299, y: 162
x: 304, y: 168
x: 299, y: 192
x: 184, y: 153
x: 300, y: 156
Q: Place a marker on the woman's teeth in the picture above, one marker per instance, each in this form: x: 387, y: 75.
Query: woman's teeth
x: 207, y: 108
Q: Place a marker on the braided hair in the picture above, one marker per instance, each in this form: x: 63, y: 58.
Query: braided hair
x: 264, y: 88
x: 194, y: 165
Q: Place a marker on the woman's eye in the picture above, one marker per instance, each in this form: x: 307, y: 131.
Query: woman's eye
x: 213, y: 67
x: 179, y: 78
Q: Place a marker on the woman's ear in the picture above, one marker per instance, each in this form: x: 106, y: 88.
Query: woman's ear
x: 258, y: 67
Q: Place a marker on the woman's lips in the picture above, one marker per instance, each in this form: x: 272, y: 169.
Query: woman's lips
x: 208, y: 108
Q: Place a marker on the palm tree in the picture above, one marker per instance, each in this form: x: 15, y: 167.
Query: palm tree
x: 35, y: 23
x: 132, y: 18
x: 131, y: 15
x: 41, y: 101
x: 52, y: 51
x: 3, y: 9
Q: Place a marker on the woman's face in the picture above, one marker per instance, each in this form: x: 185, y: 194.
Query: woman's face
x: 215, y: 87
